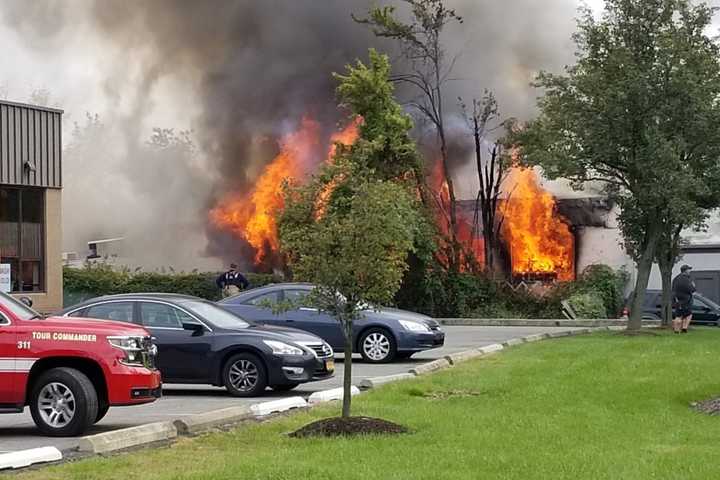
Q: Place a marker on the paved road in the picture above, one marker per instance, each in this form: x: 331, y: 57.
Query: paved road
x: 17, y: 431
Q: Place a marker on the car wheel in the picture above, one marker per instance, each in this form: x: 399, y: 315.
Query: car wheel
x: 377, y: 346
x: 103, y: 408
x: 63, y: 402
x: 285, y: 388
x: 244, y: 375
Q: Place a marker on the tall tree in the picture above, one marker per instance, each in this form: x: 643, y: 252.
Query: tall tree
x: 429, y: 72
x: 492, y: 174
x: 350, y: 229
x: 666, y: 255
x: 637, y: 112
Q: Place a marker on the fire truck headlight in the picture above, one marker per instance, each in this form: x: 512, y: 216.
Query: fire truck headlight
x: 131, y: 347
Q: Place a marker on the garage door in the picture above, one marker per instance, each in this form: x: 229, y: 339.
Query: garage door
x: 708, y: 284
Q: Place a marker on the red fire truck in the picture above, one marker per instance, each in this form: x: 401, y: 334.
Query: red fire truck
x: 71, y: 371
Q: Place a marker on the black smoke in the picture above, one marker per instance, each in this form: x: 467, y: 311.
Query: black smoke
x: 257, y: 66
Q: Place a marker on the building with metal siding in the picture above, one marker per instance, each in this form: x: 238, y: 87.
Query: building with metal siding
x: 30, y: 202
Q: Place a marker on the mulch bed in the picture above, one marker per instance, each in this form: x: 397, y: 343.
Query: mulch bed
x: 711, y: 407
x: 352, y: 426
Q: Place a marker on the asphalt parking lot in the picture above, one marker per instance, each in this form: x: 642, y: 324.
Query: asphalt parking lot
x: 17, y: 431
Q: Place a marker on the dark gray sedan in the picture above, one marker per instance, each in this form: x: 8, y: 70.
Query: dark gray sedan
x: 380, y: 336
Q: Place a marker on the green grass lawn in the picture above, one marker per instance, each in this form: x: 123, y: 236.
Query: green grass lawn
x: 592, y: 407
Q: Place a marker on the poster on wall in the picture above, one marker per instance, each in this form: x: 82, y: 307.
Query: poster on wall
x: 5, y: 284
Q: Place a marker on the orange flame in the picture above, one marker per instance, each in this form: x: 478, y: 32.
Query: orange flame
x: 470, y: 239
x: 252, y: 215
x: 345, y: 137
x: 540, y: 241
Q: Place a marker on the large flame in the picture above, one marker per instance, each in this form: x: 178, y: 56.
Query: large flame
x: 345, y: 137
x: 469, y: 237
x: 252, y: 215
x: 539, y: 240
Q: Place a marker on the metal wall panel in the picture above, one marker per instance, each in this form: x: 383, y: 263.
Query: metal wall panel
x: 30, y: 134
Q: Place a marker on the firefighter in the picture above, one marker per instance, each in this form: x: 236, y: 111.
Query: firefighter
x: 231, y: 282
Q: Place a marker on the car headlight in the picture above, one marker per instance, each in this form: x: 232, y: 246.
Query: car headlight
x: 281, y: 348
x: 414, y: 326
x: 132, y: 347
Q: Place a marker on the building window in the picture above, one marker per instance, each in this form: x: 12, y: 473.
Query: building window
x: 22, y: 239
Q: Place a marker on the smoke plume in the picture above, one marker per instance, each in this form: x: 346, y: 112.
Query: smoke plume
x: 240, y: 74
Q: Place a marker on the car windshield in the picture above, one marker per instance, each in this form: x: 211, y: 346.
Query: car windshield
x: 18, y: 308
x: 215, y: 315
x: 708, y: 302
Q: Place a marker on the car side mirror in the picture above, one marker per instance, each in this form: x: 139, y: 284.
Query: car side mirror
x: 196, y: 328
x: 27, y: 301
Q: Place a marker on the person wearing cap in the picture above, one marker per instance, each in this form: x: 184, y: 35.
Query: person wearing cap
x: 231, y: 282
x: 683, y: 288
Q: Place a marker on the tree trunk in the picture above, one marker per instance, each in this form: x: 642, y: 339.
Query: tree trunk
x: 347, y: 373
x: 644, y: 265
x: 666, y: 312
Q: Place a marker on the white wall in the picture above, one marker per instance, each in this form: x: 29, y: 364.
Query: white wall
x: 700, y: 261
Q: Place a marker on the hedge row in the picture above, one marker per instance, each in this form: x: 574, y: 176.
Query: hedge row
x: 101, y: 279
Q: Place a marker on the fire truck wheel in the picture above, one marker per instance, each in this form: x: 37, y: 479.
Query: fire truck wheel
x: 63, y: 402
x: 244, y: 375
x: 103, y: 408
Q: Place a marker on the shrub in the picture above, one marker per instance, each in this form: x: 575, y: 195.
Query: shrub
x: 607, y: 283
x: 588, y: 305
x: 101, y: 279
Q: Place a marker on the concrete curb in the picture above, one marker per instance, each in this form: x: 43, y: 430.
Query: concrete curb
x: 128, y: 437
x: 25, y: 458
x: 536, y: 337
x: 463, y: 356
x: 193, y: 424
x: 495, y: 347
x: 430, y: 367
x: 331, y: 395
x: 374, y: 382
x: 564, y: 333
x: 510, y: 322
x: 277, y: 406
x: 513, y: 341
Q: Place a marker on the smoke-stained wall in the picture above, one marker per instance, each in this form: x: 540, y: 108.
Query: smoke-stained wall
x: 240, y: 74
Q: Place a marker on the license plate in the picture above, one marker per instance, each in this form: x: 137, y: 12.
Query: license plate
x: 330, y: 365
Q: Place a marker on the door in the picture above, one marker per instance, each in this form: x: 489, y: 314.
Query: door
x: 183, y: 355
x: 257, y: 308
x: 311, y: 319
x: 8, y: 354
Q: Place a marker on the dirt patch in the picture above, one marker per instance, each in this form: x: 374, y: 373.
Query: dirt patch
x: 445, y: 394
x: 711, y: 407
x: 352, y: 426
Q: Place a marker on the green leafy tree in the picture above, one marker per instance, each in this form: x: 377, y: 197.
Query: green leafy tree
x: 350, y: 229
x: 355, y: 254
x: 639, y: 113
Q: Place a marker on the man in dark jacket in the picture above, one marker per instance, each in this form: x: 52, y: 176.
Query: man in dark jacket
x: 683, y: 288
x: 231, y: 282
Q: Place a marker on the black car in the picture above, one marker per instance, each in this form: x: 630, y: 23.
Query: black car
x: 704, y: 310
x: 380, y: 335
x: 198, y: 342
